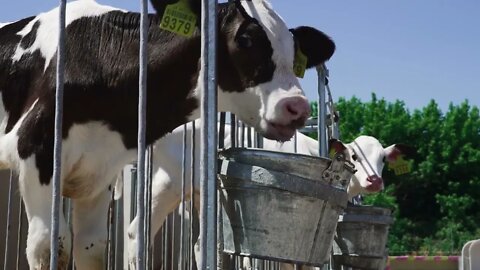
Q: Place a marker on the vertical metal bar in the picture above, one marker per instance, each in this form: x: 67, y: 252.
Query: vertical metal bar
x: 19, y: 231
x: 237, y: 133
x: 165, y: 243
x: 192, y: 196
x: 67, y: 211
x: 259, y: 141
x: 184, y: 179
x: 172, y: 233
x: 249, y: 137
x: 57, y: 146
x: 233, y: 130
x: 223, y: 260
x: 9, y: 222
x: 208, y: 154
x: 242, y: 134
x: 142, y: 113
x: 221, y: 130
x: 295, y: 142
x: 109, y: 232
x: 133, y: 180
x: 148, y: 206
x: 321, y: 125
x: 119, y: 210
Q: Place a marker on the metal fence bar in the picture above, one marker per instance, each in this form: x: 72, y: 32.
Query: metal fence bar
x: 57, y: 146
x: 148, y: 206
x: 119, y: 208
x: 165, y: 243
x: 295, y: 142
x: 322, y: 114
x: 238, y: 133
x: 19, y: 231
x: 192, y: 240
x: 221, y: 130
x: 208, y: 153
x: 242, y: 134
x: 182, y: 205
x: 133, y: 180
x: 233, y: 130
x: 249, y: 137
x: 258, y: 140
x: 142, y: 113
x: 110, y: 224
x: 172, y: 243
x: 67, y: 211
x: 9, y: 222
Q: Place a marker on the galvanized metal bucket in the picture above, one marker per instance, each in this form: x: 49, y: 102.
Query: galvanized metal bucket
x: 281, y: 206
x: 361, y: 237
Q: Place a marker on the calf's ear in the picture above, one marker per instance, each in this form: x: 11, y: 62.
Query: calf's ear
x: 395, y: 150
x: 335, y: 146
x: 316, y: 45
x: 160, y: 5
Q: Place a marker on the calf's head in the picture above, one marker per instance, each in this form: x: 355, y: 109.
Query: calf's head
x: 369, y: 157
x: 256, y: 54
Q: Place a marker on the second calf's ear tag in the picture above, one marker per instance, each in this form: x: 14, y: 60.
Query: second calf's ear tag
x: 332, y: 153
x: 400, y: 166
x: 179, y: 19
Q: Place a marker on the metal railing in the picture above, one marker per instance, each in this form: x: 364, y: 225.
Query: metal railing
x: 167, y: 252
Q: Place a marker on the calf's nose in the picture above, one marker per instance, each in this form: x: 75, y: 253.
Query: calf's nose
x: 295, y: 110
x: 376, y: 183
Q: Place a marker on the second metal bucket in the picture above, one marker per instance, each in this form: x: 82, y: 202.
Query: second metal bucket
x: 281, y: 206
x: 361, y: 237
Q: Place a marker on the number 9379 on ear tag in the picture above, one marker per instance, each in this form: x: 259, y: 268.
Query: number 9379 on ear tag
x: 179, y: 19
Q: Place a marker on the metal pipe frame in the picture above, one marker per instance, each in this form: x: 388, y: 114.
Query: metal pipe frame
x: 57, y: 147
x: 208, y: 150
x: 142, y: 113
x: 322, y: 114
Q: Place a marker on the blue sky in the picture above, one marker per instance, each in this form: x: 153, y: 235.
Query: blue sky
x: 409, y: 50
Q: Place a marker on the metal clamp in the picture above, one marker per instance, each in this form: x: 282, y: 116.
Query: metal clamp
x: 339, y: 171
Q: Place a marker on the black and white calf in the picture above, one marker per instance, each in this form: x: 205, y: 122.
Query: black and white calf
x: 256, y: 82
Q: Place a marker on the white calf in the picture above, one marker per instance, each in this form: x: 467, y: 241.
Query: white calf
x: 365, y: 152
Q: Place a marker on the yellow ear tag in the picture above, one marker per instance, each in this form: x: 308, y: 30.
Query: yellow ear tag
x: 300, y: 63
x: 400, y: 166
x: 332, y: 153
x: 179, y: 18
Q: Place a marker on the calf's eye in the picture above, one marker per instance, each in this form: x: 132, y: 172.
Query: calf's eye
x: 354, y: 157
x: 244, y: 42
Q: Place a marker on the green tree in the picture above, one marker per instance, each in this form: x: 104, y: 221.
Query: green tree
x: 436, y: 205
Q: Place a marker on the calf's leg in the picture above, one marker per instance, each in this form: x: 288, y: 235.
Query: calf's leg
x: 37, y: 198
x: 166, y: 195
x: 90, y: 230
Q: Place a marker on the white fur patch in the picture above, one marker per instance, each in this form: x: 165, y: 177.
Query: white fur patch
x: 4, y: 24
x: 8, y: 142
x: 92, y: 156
x: 276, y: 29
x: 48, y: 31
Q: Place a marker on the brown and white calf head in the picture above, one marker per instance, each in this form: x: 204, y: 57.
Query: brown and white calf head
x: 369, y: 157
x: 256, y: 52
